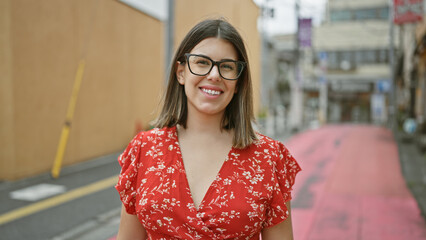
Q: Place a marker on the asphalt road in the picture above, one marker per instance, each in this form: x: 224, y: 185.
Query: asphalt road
x: 63, y: 219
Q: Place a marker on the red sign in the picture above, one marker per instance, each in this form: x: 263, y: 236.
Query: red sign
x: 407, y: 11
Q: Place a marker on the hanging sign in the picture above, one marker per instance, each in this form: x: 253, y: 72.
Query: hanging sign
x: 407, y: 11
x: 305, y: 32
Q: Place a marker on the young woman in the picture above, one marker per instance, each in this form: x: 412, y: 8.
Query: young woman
x: 203, y: 172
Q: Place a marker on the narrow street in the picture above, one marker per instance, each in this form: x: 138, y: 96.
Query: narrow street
x: 351, y: 186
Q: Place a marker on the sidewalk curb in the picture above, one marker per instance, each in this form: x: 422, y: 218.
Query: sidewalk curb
x: 413, y: 167
x: 67, y: 170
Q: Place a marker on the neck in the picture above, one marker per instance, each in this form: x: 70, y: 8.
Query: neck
x: 203, y: 128
x: 204, y: 123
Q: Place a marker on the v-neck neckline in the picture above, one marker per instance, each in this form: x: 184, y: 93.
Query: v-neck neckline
x: 212, y: 184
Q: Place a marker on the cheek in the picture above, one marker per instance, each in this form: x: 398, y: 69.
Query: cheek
x: 233, y: 87
x: 191, y: 83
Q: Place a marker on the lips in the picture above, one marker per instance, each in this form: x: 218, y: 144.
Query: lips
x: 212, y: 91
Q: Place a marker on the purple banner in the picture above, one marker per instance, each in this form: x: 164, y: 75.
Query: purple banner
x: 305, y: 32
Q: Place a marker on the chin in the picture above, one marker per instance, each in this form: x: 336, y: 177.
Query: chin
x: 210, y: 111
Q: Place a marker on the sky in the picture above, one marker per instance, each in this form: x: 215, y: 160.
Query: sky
x: 284, y: 21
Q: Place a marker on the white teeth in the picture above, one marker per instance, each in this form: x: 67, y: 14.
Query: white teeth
x: 211, y: 92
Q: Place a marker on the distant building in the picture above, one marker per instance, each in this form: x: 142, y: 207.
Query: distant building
x: 355, y: 39
x: 345, y: 75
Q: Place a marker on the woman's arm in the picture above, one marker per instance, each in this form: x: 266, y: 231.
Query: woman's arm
x: 281, y: 231
x: 130, y: 227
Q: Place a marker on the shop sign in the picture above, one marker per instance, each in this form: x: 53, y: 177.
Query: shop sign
x: 338, y: 86
x: 407, y: 11
x: 305, y: 32
x: 378, y: 108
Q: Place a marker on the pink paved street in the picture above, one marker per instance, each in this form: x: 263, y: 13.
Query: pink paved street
x: 351, y: 186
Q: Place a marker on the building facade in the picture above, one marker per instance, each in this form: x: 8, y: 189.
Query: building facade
x: 411, y: 80
x: 355, y: 38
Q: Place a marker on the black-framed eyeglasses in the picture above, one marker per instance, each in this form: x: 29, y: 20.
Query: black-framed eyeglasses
x: 201, y: 65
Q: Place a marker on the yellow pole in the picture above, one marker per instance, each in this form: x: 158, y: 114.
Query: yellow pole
x: 56, y: 168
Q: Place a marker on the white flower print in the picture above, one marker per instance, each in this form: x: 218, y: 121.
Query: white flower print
x: 159, y: 223
x: 168, y: 219
x: 227, y: 181
x: 247, y: 174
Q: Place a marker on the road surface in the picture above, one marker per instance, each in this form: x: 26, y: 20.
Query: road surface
x: 351, y: 186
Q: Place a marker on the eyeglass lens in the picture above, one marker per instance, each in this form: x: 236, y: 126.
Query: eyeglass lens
x: 202, y: 66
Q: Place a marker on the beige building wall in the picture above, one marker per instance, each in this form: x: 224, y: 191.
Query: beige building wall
x: 7, y: 143
x: 41, y: 45
x: 242, y: 14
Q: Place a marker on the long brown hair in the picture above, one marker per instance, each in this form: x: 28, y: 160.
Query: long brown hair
x: 239, y: 112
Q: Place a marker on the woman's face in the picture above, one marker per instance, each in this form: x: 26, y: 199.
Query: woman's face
x: 209, y: 94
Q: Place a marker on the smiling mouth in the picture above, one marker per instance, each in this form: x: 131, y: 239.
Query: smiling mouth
x: 211, y: 92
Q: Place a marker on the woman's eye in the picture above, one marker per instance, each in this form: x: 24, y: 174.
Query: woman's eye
x: 203, y: 62
x: 227, y: 66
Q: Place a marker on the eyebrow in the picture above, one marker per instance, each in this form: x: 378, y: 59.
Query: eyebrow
x: 223, y: 59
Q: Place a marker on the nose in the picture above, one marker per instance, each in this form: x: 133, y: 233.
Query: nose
x: 214, y: 74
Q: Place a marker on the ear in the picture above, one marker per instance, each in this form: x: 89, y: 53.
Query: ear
x: 180, y: 70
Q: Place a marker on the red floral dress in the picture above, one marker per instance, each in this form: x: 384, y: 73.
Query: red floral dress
x: 247, y: 195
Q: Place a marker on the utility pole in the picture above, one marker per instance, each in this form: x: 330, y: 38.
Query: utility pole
x: 296, y: 94
x: 392, y: 96
x: 170, y: 31
x: 297, y: 44
x: 263, y: 94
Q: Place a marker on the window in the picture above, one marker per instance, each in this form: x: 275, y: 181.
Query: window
x: 383, y: 55
x: 353, y: 58
x: 341, y: 15
x: 383, y: 13
x: 358, y: 57
x: 369, y: 56
x: 332, y: 60
x: 363, y: 14
x: 346, y: 56
x: 346, y: 60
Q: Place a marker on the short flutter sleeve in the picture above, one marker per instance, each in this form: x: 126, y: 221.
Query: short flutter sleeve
x: 129, y: 161
x: 285, y: 169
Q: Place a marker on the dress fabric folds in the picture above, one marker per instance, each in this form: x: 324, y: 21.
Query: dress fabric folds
x: 248, y: 194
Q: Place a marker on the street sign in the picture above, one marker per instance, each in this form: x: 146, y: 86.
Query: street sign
x: 305, y: 32
x: 407, y: 11
x: 322, y: 67
x: 383, y: 86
